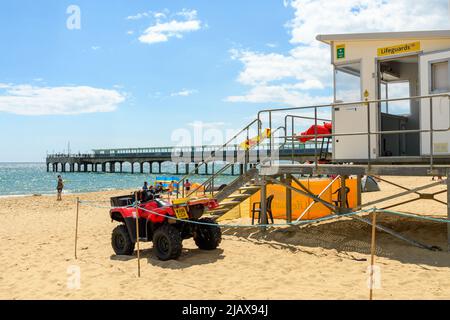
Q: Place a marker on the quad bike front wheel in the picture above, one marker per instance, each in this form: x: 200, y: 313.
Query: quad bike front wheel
x: 207, y: 237
x: 167, y: 242
x: 121, y: 241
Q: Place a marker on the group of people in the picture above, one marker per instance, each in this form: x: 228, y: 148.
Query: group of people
x: 153, y: 190
x: 159, y: 189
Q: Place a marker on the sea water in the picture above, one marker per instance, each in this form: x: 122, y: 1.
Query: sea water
x: 33, y: 178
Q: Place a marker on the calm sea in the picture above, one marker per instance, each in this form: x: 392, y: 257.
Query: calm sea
x: 32, y: 178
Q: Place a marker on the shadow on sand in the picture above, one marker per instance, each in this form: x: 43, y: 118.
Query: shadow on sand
x: 189, y: 257
x: 352, y: 236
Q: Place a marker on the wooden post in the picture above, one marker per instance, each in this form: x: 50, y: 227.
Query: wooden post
x: 76, y: 227
x: 137, y: 233
x: 372, y: 252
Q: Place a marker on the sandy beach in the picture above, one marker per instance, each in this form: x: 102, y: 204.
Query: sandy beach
x: 322, y: 261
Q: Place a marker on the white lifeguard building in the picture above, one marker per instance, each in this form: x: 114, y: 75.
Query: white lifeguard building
x: 406, y: 78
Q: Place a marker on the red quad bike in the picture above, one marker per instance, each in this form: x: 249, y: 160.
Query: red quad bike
x: 167, y: 234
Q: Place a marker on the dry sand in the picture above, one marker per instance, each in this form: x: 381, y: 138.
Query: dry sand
x: 322, y: 261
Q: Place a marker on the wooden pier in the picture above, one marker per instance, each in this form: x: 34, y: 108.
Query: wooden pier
x: 143, y: 160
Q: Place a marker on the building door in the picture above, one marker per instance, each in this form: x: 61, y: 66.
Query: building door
x: 435, y: 80
x: 398, y: 79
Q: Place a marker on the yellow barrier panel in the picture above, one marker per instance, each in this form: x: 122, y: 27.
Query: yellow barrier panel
x: 301, y: 202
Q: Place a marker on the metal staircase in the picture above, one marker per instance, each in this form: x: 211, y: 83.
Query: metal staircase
x: 239, y: 189
x: 236, y: 192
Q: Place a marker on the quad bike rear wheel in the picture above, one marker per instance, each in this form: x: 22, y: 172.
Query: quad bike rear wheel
x: 167, y: 242
x: 121, y: 241
x: 207, y: 237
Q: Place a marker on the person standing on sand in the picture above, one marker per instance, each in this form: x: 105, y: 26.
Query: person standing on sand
x: 187, y: 186
x: 59, y: 188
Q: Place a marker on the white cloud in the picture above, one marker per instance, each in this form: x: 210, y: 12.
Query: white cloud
x: 95, y: 48
x: 67, y: 100
x: 138, y: 16
x: 288, y: 77
x: 183, y: 93
x: 162, y: 31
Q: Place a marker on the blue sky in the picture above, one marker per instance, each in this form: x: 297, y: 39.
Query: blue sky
x: 137, y: 70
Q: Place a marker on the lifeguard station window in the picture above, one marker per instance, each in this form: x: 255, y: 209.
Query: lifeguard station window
x: 440, y: 81
x: 347, y: 83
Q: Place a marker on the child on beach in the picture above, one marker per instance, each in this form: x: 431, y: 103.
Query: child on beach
x: 59, y: 188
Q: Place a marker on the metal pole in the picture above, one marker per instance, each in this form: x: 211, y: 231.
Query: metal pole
x: 315, y: 138
x: 343, y: 193
x: 372, y: 252
x: 137, y: 234
x: 448, y: 209
x: 368, y: 137
x: 431, y: 133
x: 293, y: 144
x: 288, y: 181
x: 263, y: 213
x: 358, y: 191
x: 76, y: 226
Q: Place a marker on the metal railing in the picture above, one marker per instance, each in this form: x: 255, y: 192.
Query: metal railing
x: 212, y: 158
x: 369, y: 105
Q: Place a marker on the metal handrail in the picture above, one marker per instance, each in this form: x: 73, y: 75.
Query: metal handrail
x: 211, y: 179
x: 369, y: 133
x: 181, y: 181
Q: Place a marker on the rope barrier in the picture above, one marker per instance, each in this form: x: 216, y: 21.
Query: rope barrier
x: 295, y: 223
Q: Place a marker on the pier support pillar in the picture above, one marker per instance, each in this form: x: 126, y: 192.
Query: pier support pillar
x: 63, y: 167
x: 241, y: 168
x: 112, y: 167
x: 48, y: 166
x: 71, y: 167
x: 232, y: 169
x: 206, y: 168
x: 103, y: 167
x: 85, y: 167
x: 121, y: 167
x: 196, y: 168
x: 151, y: 167
x: 132, y: 168
x: 177, y: 169
x: 159, y: 167
x: 187, y: 168
x: 141, y: 167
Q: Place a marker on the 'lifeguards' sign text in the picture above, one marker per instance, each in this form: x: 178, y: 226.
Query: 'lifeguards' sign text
x: 399, y: 49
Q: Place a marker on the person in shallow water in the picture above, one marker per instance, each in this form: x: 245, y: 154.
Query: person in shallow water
x: 59, y: 188
x: 145, y: 187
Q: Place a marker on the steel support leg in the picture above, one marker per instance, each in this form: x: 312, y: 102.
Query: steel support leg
x: 288, y: 181
x: 263, y: 213
x: 448, y: 209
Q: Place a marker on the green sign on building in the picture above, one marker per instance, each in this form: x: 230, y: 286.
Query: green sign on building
x: 340, y: 51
